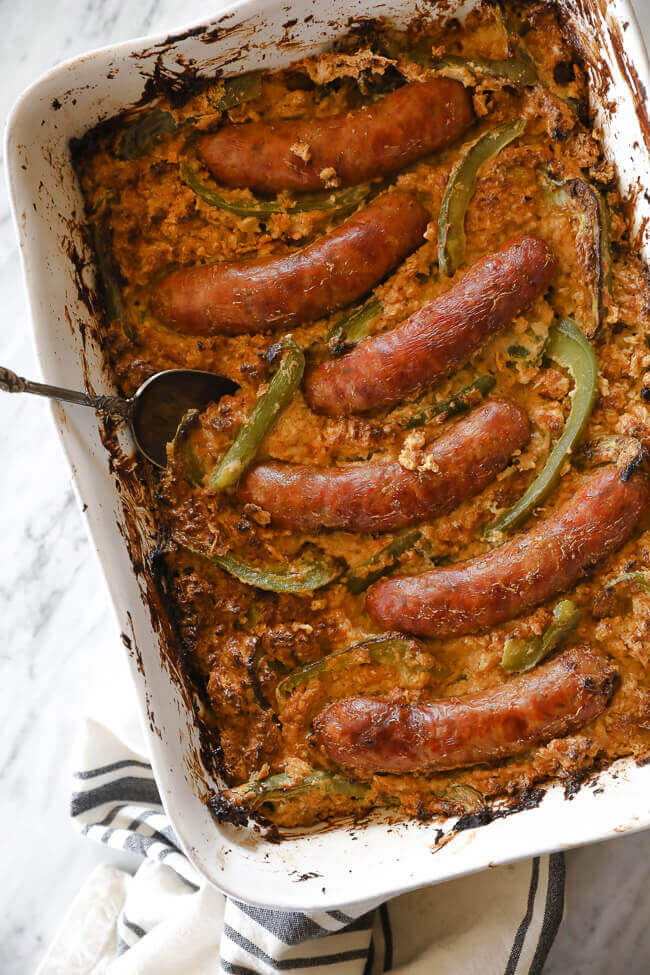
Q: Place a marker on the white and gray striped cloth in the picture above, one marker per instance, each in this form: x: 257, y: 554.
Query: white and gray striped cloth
x: 166, y: 919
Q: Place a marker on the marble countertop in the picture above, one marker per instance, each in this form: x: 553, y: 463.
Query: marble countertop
x: 56, y: 623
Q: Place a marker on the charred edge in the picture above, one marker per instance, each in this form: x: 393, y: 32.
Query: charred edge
x: 610, y: 685
x: 273, y: 353
x: 366, y: 31
x: 528, y: 798
x: 210, y: 748
x: 177, y: 86
x: 575, y: 782
x: 340, y: 347
x: 602, y: 71
x: 473, y: 820
x: 633, y: 465
x: 226, y: 810
x: 86, y: 295
x: 637, y: 88
x: 602, y: 687
x: 207, y: 35
x: 89, y: 143
x: 564, y: 72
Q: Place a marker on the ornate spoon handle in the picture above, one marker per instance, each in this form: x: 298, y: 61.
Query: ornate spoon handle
x: 116, y: 405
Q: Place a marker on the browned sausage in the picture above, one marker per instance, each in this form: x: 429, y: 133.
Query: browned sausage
x: 374, y: 496
x: 438, y: 338
x: 521, y: 574
x: 371, y: 141
x: 234, y: 297
x: 366, y: 734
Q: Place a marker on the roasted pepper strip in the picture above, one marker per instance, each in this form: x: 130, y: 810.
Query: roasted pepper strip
x: 144, y: 131
x: 460, y: 189
x: 639, y: 577
x: 346, y: 199
x: 594, y: 225
x: 457, y: 403
x: 568, y: 347
x: 516, y: 43
x: 106, y: 271
x: 139, y: 135
x: 302, y: 575
x: 236, y: 91
x: 391, y: 649
x: 466, y: 795
x: 520, y: 654
x: 277, y: 788
x: 514, y: 70
x: 181, y: 453
x: 354, y: 326
x: 360, y: 576
x: 266, y: 411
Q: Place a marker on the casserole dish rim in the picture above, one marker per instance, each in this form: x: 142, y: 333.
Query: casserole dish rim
x: 306, y: 894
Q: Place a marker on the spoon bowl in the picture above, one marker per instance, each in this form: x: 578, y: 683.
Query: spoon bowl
x: 162, y: 401
x: 153, y: 412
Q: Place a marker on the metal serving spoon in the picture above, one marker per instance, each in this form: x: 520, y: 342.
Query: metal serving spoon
x: 153, y: 412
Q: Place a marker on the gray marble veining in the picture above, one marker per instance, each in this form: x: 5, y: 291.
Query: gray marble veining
x: 55, y: 621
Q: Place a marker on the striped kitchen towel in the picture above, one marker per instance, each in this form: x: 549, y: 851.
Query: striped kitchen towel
x: 165, y: 920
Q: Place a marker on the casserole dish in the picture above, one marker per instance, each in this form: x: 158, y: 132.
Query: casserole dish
x: 317, y: 868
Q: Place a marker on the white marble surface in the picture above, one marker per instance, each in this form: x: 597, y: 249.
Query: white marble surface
x: 55, y: 621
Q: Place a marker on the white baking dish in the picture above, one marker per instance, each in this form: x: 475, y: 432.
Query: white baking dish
x: 337, y: 866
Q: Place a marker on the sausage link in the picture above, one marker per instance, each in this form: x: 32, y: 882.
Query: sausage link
x: 373, y: 496
x: 439, y: 337
x: 367, y: 735
x: 524, y: 572
x: 371, y: 141
x: 234, y: 297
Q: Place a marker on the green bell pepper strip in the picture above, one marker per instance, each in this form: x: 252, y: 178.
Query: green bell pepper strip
x: 328, y: 200
x: 238, y: 90
x: 360, y: 576
x: 516, y: 43
x: 243, y: 450
x: 460, y: 189
x: 520, y: 655
x: 466, y: 795
x: 568, y: 347
x: 354, y: 326
x: 391, y: 649
x: 182, y: 453
x: 457, y: 403
x: 280, y: 787
x: 107, y: 274
x: 514, y: 70
x: 143, y: 132
x: 302, y: 575
x: 639, y: 577
x: 594, y: 220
